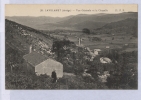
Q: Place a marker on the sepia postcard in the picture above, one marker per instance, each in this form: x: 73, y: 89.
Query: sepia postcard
x: 71, y: 47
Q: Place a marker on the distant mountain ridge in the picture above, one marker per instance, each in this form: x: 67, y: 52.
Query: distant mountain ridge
x: 74, y: 22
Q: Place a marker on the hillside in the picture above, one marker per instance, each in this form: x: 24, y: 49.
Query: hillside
x: 128, y: 26
x: 28, y: 34
x: 107, y: 18
x: 75, y: 26
x: 35, y: 21
x: 71, y: 22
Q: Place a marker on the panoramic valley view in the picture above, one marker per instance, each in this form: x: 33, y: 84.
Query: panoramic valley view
x: 83, y: 51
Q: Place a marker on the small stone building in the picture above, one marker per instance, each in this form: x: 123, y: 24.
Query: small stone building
x: 39, y: 64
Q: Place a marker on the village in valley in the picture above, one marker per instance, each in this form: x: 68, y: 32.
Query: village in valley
x: 83, y: 57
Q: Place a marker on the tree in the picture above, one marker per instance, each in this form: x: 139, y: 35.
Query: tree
x: 59, y: 47
x: 86, y: 30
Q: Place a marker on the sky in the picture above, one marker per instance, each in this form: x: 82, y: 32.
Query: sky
x: 65, y: 10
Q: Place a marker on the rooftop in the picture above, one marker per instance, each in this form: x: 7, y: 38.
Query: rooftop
x: 34, y: 58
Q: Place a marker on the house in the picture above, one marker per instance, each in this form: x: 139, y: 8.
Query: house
x: 105, y: 60
x: 39, y: 64
x: 126, y: 44
x: 97, y: 51
x: 104, y: 76
x: 107, y: 46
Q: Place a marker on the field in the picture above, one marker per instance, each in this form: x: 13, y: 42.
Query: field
x: 122, y: 41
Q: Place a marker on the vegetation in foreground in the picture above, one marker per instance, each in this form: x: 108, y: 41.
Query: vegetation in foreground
x: 123, y: 75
